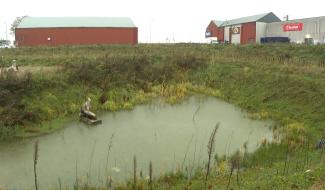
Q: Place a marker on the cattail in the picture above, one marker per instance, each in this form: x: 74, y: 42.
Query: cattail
x: 35, y: 163
x: 76, y: 184
x: 134, y: 172
x: 150, y: 174
x: 245, y: 146
x: 60, y: 183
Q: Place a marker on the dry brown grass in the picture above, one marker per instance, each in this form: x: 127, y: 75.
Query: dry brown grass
x: 320, y: 185
x: 33, y: 69
x: 39, y: 69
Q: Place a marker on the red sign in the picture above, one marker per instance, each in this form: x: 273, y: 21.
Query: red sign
x: 292, y: 27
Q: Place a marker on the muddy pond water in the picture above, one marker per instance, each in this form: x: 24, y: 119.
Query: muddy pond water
x: 169, y: 136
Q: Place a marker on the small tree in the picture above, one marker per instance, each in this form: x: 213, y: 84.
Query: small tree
x: 15, y: 24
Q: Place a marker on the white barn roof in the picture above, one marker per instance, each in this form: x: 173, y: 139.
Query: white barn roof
x: 76, y: 22
x: 265, y: 17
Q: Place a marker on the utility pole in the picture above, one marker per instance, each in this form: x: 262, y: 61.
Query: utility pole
x: 6, y: 31
x: 150, y: 30
x: 173, y: 37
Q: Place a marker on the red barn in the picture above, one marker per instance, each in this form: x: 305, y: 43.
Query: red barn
x: 215, y: 30
x: 52, y: 31
x: 242, y: 30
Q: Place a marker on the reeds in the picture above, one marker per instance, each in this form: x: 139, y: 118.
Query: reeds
x: 195, y: 113
x: 211, y: 146
x: 110, y: 145
x: 235, y: 165
x: 91, y: 161
x: 187, y: 150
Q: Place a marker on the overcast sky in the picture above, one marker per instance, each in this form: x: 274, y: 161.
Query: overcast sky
x: 182, y: 21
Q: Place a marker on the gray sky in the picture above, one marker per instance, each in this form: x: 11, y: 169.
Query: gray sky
x: 184, y: 21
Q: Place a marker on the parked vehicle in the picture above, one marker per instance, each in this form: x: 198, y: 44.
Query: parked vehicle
x: 4, y: 44
x: 275, y: 40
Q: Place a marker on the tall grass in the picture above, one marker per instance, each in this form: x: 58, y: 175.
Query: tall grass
x: 112, y: 78
x: 100, y: 70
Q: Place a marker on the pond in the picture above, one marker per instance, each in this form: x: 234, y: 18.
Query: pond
x: 172, y: 137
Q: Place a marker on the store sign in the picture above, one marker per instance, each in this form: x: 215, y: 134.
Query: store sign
x: 235, y: 30
x: 292, y: 27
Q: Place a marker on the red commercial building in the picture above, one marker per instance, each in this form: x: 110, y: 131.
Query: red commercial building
x: 242, y: 30
x: 75, y: 31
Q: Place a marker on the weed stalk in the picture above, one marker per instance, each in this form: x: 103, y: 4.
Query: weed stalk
x: 211, y: 145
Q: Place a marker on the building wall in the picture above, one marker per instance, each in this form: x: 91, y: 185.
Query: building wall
x: 221, y: 33
x: 227, y: 34
x: 315, y: 27
x: 248, y: 33
x: 260, y: 31
x: 75, y: 36
x: 271, y: 26
x: 213, y: 29
x: 235, y: 38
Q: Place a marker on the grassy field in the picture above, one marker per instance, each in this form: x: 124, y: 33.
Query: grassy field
x: 281, y: 82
